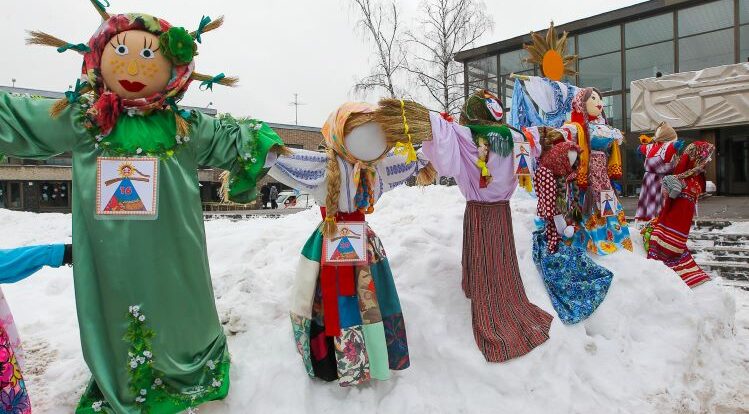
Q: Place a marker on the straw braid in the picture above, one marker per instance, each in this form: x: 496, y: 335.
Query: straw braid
x: 100, y: 9
x: 333, y: 177
x: 61, y: 104
x: 230, y: 81
x: 213, y: 25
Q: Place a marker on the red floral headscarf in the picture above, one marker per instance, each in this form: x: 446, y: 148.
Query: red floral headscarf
x: 107, y: 106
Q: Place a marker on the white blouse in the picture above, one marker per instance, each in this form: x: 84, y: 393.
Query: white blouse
x: 306, y: 171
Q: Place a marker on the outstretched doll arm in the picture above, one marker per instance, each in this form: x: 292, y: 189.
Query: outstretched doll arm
x: 27, y: 130
x: 239, y: 146
x: 20, y: 263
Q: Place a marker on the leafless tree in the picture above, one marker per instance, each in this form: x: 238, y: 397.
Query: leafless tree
x: 445, y: 28
x: 380, y: 24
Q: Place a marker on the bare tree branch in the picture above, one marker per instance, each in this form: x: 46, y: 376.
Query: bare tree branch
x: 382, y: 27
x: 446, y: 28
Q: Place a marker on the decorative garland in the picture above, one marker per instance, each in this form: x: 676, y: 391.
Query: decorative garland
x: 147, y: 383
x: 110, y: 147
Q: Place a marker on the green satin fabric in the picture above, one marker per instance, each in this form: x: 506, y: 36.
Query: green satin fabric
x: 160, y: 265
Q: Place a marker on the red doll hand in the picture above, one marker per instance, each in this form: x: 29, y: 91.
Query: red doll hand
x: 447, y: 117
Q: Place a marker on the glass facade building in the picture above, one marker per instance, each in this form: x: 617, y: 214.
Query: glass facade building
x: 653, y: 38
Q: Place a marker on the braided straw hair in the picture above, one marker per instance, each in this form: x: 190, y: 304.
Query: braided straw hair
x: 333, y: 174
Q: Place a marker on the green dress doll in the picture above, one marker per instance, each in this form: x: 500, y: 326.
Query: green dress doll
x: 149, y: 329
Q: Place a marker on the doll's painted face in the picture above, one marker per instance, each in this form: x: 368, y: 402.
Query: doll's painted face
x: 594, y: 105
x: 483, y: 149
x: 366, y: 142
x: 133, y: 67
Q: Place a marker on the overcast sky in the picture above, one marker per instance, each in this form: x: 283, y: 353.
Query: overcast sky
x: 277, y: 48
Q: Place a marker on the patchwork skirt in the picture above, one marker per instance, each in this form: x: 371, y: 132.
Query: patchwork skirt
x: 505, y: 324
x: 347, y: 320
x: 576, y: 284
x: 668, y: 241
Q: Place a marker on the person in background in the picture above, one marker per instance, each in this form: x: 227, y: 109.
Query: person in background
x: 273, y: 197
x: 265, y: 195
x: 16, y: 265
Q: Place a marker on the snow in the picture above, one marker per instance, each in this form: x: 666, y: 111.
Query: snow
x: 654, y: 346
x: 737, y: 227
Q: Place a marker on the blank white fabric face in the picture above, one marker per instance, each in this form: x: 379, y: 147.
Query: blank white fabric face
x: 366, y: 142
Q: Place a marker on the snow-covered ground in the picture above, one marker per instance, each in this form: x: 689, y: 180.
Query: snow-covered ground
x: 654, y: 346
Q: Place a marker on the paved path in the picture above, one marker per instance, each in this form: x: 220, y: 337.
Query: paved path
x: 714, y: 207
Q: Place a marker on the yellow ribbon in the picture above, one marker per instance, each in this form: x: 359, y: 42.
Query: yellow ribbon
x: 484, y: 169
x: 406, y: 149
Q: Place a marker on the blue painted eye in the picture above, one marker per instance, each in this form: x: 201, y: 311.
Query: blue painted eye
x: 121, y: 50
x: 147, y: 53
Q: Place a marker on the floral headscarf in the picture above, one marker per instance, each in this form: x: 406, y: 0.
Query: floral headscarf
x: 694, y: 159
x: 107, y: 106
x: 556, y: 160
x: 333, y: 131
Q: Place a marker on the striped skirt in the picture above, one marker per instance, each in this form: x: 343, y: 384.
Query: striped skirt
x: 668, y: 241
x: 347, y: 320
x: 505, y: 324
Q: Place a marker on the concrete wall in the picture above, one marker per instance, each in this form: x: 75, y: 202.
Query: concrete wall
x: 708, y: 98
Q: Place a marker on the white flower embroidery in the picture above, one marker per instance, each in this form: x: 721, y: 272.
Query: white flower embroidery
x: 211, y: 365
x: 142, y: 318
x: 147, y: 354
x: 139, y: 150
x: 133, y: 364
x: 97, y: 406
x: 216, y: 383
x: 157, y: 381
x: 186, y: 139
x: 143, y: 392
x: 140, y: 400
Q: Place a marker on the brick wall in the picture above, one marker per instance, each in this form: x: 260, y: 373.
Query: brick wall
x: 307, y: 138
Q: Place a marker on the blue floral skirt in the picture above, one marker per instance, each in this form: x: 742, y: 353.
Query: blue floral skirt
x: 576, y: 284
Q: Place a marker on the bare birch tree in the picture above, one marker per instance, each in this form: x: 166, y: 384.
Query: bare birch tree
x: 380, y: 24
x: 446, y: 27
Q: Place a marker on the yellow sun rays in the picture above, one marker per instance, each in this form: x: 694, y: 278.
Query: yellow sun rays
x: 549, y: 53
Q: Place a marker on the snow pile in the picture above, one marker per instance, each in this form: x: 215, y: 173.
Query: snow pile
x: 654, y: 346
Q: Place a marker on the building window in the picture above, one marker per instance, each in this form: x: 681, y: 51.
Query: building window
x: 599, y: 42
x: 744, y: 30
x: 708, y: 17
x: 600, y: 62
x: 612, y: 107
x: 649, y: 47
x: 706, y: 35
x: 603, y: 72
x: 648, y: 31
x: 10, y: 194
x: 482, y: 74
x: 706, y: 50
x: 54, y: 194
x: 647, y: 61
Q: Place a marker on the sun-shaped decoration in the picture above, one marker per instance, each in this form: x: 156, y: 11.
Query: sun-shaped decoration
x: 549, y: 54
x: 126, y: 170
